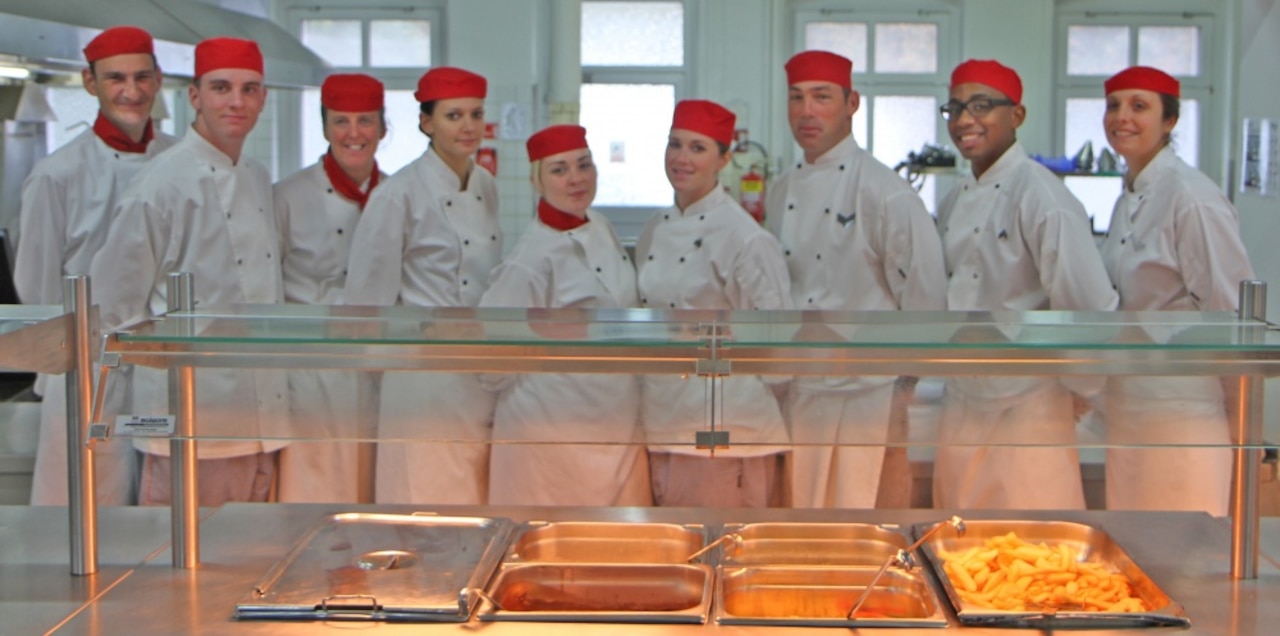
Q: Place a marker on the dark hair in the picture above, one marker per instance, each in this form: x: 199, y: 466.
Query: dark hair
x: 382, y: 116
x: 724, y: 147
x: 1172, y: 106
x: 93, y: 66
x: 428, y: 108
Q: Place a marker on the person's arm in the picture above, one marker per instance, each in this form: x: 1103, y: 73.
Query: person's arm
x: 42, y: 243
x: 124, y: 272
x: 911, y: 253
x: 1070, y: 266
x: 1211, y: 255
x: 375, y: 268
x: 759, y: 274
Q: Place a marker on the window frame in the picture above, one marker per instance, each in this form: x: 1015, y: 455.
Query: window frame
x: 629, y: 221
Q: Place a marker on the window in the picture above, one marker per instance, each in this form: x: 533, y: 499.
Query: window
x: 395, y: 42
x: 902, y: 62
x: 1094, y: 45
x: 633, y: 72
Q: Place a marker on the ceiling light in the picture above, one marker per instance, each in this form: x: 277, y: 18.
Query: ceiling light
x: 14, y: 72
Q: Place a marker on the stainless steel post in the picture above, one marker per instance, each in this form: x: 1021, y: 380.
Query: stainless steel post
x: 183, y: 487
x: 1248, y: 454
x: 82, y: 502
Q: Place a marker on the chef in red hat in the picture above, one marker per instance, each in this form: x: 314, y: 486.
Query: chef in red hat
x: 856, y: 237
x: 428, y: 237
x: 66, y: 203
x: 1015, y: 239
x: 1175, y: 245
x: 316, y: 211
x: 568, y: 257
x: 706, y: 252
x: 204, y: 208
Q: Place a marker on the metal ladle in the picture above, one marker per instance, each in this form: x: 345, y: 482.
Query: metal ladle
x: 904, y: 559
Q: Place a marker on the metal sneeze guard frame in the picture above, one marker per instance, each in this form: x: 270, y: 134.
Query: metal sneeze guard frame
x: 680, y: 342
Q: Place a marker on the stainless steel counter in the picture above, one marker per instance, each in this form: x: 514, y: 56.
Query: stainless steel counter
x: 37, y: 590
x: 1185, y: 553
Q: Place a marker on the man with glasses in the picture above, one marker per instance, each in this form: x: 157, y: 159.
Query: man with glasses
x: 1015, y: 239
x: 855, y: 237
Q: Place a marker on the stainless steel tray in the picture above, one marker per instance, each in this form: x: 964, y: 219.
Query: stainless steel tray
x: 1090, y: 543
x: 822, y: 597
x: 604, y: 542
x: 382, y: 567
x: 839, y: 544
x: 599, y: 593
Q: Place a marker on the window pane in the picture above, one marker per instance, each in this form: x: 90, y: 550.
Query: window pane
x: 1098, y: 196
x: 906, y: 48
x: 400, y: 43
x: 1097, y: 50
x: 1186, y: 135
x: 632, y: 34
x: 627, y: 126
x: 901, y: 125
x: 402, y: 144
x: 335, y: 41
x: 1084, y: 124
x: 1174, y: 50
x: 846, y: 38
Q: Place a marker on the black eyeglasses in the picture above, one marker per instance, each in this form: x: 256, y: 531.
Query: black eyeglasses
x: 978, y: 106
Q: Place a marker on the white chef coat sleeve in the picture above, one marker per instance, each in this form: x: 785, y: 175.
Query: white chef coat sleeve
x: 1070, y: 265
x: 124, y: 272
x: 281, y: 204
x: 376, y: 263
x: 760, y: 273
x: 1211, y: 255
x: 512, y: 285
x: 42, y: 241
x: 911, y: 251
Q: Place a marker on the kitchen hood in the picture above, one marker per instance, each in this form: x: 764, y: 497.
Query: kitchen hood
x: 48, y: 36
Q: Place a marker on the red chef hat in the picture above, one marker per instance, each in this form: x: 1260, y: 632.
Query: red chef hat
x: 554, y: 140
x: 220, y: 53
x: 1144, y: 77
x: 706, y: 117
x: 989, y: 73
x: 351, y: 93
x: 118, y: 40
x: 447, y: 82
x: 822, y: 66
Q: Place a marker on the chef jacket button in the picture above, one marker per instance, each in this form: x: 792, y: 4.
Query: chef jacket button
x: 997, y: 186
x: 681, y: 259
x: 239, y: 261
x: 466, y: 241
x: 344, y: 271
x: 479, y: 198
x: 791, y: 206
x: 1122, y: 241
x: 644, y: 301
x: 212, y: 169
x: 949, y: 274
x: 493, y: 237
x: 673, y: 305
x: 841, y: 166
x: 464, y: 281
x: 330, y: 190
x: 624, y: 257
x: 651, y: 257
x: 702, y: 217
x: 339, y: 230
x: 810, y: 301
x: 599, y: 270
x: 966, y: 188
x: 819, y: 257
x: 666, y: 217
x: 1114, y: 288
x: 799, y: 165
x: 228, y: 215
x: 787, y: 253
x: 975, y: 230
x: 117, y: 155
x: 975, y: 276
x: 448, y: 203
x: 268, y: 255
x: 826, y: 211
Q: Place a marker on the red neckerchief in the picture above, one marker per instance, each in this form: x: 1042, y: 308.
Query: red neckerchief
x: 557, y: 219
x: 344, y: 184
x: 110, y: 135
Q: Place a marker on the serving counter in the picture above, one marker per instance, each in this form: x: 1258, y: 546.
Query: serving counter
x: 1184, y: 553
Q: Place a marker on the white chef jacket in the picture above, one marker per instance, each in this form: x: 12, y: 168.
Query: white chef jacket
x: 316, y: 225
x: 424, y: 241
x: 1174, y: 245
x: 67, y: 202
x: 711, y: 256
x: 856, y: 237
x: 1015, y: 239
x: 193, y: 210
x: 586, y: 268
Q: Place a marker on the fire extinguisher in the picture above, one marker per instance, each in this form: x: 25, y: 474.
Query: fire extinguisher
x: 751, y: 188
x: 487, y: 156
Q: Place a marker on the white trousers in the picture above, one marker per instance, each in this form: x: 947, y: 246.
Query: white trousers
x: 839, y: 442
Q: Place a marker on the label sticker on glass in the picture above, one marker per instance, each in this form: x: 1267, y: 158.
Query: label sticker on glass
x: 145, y: 425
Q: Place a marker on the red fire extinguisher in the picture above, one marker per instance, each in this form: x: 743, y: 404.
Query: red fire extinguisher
x: 752, y: 198
x: 487, y: 156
